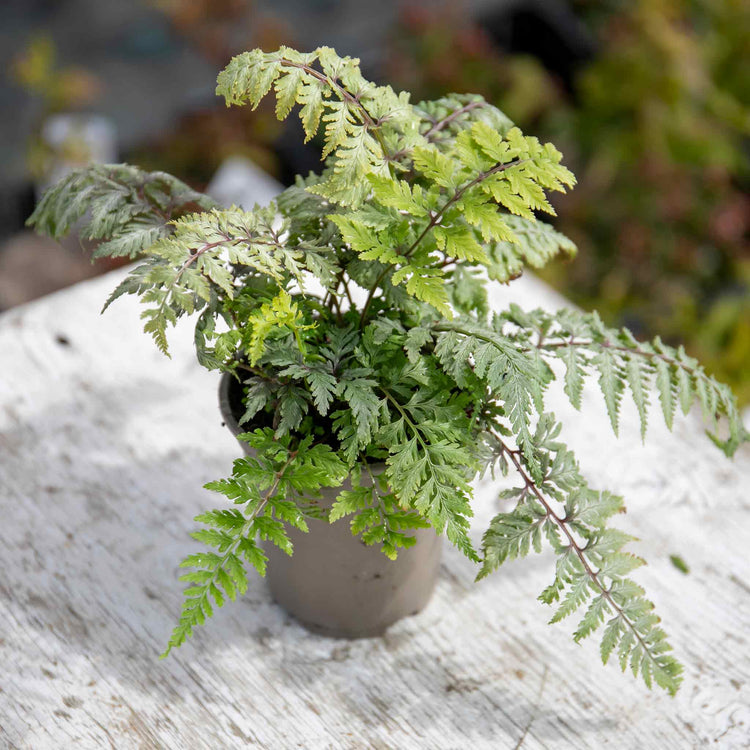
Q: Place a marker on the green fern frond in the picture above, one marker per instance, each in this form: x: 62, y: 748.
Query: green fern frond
x: 532, y: 243
x: 429, y: 470
x: 125, y: 207
x: 378, y: 518
x: 587, y: 346
x: 444, y: 119
x: 280, y: 312
x: 330, y: 90
x: 262, y: 488
x: 592, y: 567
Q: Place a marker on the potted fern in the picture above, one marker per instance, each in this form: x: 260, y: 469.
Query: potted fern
x: 350, y: 322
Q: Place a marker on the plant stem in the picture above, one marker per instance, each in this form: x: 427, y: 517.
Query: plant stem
x: 606, y: 345
x: 348, y: 293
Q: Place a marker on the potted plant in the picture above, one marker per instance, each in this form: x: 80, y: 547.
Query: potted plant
x: 350, y: 320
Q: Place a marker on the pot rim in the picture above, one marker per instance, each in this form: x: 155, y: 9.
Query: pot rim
x: 225, y: 404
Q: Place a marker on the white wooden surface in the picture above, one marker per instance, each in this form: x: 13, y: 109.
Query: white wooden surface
x: 104, y: 446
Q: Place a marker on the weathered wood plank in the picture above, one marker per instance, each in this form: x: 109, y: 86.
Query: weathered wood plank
x: 104, y: 446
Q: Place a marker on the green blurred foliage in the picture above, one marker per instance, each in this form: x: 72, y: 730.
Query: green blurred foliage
x: 436, y: 50
x: 60, y: 88
x: 56, y: 88
x: 656, y: 133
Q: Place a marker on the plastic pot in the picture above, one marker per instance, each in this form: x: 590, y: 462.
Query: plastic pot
x: 334, y: 584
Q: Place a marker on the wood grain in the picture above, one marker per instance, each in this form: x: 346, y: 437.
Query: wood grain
x: 104, y: 447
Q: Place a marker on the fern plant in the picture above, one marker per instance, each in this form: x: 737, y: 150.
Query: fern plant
x: 353, y: 310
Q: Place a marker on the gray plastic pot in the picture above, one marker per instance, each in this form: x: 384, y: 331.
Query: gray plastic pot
x: 334, y: 584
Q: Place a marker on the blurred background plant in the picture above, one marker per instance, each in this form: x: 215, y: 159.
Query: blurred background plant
x: 439, y: 49
x: 657, y: 135
x: 61, y: 133
x: 655, y: 126
x: 56, y: 88
x: 201, y: 139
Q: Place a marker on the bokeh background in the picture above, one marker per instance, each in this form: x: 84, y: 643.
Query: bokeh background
x: 649, y: 100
